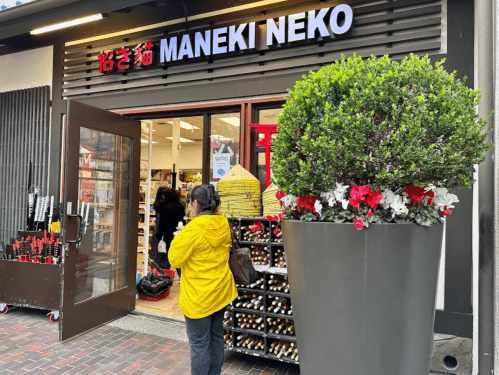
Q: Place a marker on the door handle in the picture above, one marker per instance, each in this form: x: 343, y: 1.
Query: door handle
x: 80, y: 231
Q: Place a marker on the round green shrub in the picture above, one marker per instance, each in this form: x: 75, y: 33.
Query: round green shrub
x: 378, y: 122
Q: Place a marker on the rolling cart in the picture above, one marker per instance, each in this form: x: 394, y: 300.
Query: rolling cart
x: 33, y: 285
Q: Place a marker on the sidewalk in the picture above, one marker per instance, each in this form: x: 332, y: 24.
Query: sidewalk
x: 29, y: 345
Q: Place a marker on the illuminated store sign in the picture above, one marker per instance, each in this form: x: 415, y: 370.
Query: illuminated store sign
x: 327, y: 22
x: 287, y: 30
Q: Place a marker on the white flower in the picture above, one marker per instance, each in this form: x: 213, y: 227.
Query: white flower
x: 429, y: 187
x: 344, y: 203
x: 331, y: 202
x: 442, y: 198
x: 388, y: 199
x: 328, y: 196
x: 399, y: 207
x: 318, y: 206
x: 340, y: 191
x: 289, y: 201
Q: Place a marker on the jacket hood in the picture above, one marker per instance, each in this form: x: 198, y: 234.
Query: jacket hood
x: 213, y: 228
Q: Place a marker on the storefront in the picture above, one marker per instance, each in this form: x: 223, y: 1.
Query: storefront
x: 196, y: 80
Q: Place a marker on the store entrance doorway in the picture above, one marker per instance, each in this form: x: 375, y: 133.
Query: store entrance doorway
x: 177, y: 152
x: 101, y: 180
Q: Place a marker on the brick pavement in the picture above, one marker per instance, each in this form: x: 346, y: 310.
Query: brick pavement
x: 29, y: 345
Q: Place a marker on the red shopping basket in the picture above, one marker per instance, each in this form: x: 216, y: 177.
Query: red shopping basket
x: 164, y: 295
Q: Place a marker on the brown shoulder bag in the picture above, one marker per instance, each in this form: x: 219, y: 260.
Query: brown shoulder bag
x: 240, y: 263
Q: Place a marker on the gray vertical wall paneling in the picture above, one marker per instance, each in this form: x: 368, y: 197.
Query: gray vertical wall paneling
x: 9, y: 181
x: 45, y: 139
x: 24, y: 156
x: 13, y: 160
x: 24, y: 132
x: 3, y: 162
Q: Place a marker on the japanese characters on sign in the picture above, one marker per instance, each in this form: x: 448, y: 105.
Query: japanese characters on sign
x: 127, y: 58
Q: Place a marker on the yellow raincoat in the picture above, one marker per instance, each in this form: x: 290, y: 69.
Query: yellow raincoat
x: 202, y: 251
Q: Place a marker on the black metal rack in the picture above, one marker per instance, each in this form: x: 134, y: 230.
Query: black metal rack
x: 266, y: 272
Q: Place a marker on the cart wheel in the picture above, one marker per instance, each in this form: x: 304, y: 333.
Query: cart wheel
x: 53, y: 319
x: 5, y: 310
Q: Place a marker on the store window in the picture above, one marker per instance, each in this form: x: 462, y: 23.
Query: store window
x: 264, y: 116
x: 177, y: 146
x: 224, y: 140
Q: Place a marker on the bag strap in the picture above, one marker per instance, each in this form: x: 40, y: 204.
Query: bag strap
x: 234, y: 237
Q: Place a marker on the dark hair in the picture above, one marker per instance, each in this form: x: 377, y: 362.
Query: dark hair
x: 165, y: 195
x: 207, y: 198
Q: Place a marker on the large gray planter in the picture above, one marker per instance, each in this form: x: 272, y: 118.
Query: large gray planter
x: 363, y: 301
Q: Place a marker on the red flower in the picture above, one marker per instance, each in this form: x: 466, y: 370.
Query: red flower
x: 280, y: 195
x: 373, y: 198
x: 430, y: 202
x: 430, y: 193
x: 369, y: 214
x: 270, y: 217
x: 354, y: 203
x: 307, y: 203
x: 276, y: 231
x: 359, y: 193
x: 416, y: 193
x: 359, y: 223
x: 445, y: 212
x: 257, y: 226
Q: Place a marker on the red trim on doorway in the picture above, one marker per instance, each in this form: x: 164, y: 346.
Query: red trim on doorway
x: 248, y: 120
x: 189, y: 107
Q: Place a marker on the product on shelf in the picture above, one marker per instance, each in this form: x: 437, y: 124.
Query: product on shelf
x: 260, y: 254
x: 228, y: 338
x: 278, y: 283
x: 227, y: 318
x: 250, y: 341
x: 281, y: 326
x: 239, y: 193
x: 276, y: 230
x: 271, y: 205
x: 256, y: 232
x: 259, y: 284
x: 280, y: 305
x: 250, y: 321
x: 31, y: 249
x: 279, y: 258
x: 283, y: 348
x: 249, y: 301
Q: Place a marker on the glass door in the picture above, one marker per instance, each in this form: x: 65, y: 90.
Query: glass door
x: 100, y: 223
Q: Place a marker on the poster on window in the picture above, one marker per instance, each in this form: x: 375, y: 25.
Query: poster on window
x: 221, y: 165
x: 5, y: 4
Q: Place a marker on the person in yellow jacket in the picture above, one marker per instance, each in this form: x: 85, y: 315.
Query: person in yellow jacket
x: 201, y: 250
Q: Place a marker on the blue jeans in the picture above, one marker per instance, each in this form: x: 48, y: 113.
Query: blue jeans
x: 207, y: 344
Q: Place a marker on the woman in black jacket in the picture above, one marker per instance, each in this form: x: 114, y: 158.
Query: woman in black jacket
x: 169, y: 211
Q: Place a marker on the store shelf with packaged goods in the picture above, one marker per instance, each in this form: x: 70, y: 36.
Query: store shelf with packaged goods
x: 269, y: 259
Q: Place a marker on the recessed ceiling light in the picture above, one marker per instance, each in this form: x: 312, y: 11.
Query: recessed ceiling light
x: 145, y: 141
x: 185, y: 125
x: 232, y: 120
x: 185, y: 140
